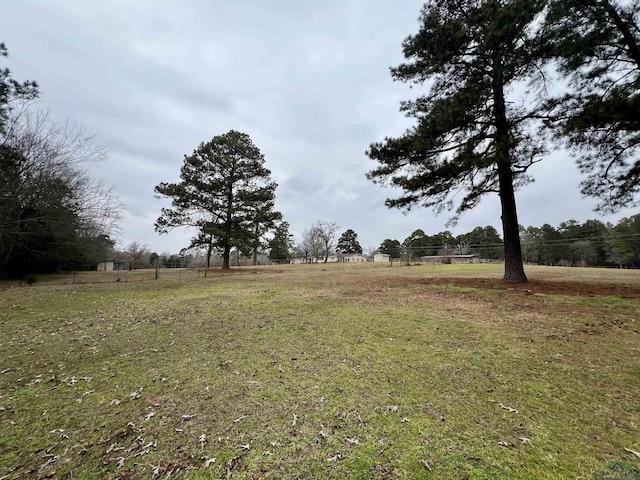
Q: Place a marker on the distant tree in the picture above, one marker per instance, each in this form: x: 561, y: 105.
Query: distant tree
x: 484, y: 242
x: 265, y: 219
x: 391, y: 247
x: 463, y: 247
x: 530, y: 240
x: 625, y: 242
x: 348, y: 242
x: 281, y: 245
x: 325, y: 234
x: 470, y: 136
x: 443, y: 243
x: 223, y: 192
x: 138, y: 254
x: 597, y: 46
x: 586, y: 243
x: 553, y: 248
x: 418, y: 244
x: 311, y: 246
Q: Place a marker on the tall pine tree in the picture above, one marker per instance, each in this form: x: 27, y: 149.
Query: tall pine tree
x: 225, y: 192
x: 469, y: 136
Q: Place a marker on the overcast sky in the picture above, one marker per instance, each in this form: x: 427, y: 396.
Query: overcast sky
x: 307, y: 80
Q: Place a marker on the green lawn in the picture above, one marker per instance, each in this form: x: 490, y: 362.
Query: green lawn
x: 323, y: 371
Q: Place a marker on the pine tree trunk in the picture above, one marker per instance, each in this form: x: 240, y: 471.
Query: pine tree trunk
x: 513, y: 268
x: 225, y: 257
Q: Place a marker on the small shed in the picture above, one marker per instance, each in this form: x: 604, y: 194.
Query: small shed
x: 382, y: 257
x: 110, y: 265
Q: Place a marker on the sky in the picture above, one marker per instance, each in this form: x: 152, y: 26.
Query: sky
x: 308, y: 81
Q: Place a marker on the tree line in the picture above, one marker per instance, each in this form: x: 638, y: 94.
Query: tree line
x: 592, y: 243
x: 571, y: 243
x: 484, y: 242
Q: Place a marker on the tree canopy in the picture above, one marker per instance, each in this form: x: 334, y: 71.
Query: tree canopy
x: 225, y: 192
x: 281, y: 245
x: 12, y: 91
x: 468, y: 136
x: 348, y: 242
x: 391, y: 247
x: 597, y: 45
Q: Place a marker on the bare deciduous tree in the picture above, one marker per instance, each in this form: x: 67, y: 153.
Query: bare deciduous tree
x: 325, y: 235
x: 311, y: 245
x: 52, y: 211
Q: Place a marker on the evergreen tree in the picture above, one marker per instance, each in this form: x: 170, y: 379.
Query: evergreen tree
x: 264, y: 221
x: 348, y: 242
x: 281, y: 244
x: 12, y: 91
x: 418, y: 244
x: 225, y: 191
x: 484, y: 242
x: 625, y: 242
x: 597, y: 43
x: 468, y: 135
x: 391, y: 247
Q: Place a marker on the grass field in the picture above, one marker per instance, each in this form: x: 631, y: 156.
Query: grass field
x: 323, y: 371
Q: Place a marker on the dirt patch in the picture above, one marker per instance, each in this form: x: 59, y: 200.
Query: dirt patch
x: 582, y: 289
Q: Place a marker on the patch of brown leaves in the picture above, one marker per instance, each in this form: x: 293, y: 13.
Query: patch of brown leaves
x: 582, y: 289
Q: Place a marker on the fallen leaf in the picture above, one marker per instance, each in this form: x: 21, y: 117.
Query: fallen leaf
x: 511, y: 409
x: 637, y: 454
